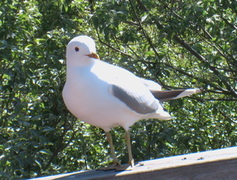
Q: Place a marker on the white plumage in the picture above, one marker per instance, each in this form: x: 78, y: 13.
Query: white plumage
x: 107, y: 96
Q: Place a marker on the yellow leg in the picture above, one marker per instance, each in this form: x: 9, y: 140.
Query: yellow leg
x: 130, y: 164
x: 115, y: 163
x: 112, y: 152
x: 128, y: 141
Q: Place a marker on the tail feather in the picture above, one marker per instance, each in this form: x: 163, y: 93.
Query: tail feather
x: 173, y: 94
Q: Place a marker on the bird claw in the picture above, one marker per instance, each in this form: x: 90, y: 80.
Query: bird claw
x: 113, y: 166
x: 117, y: 167
x: 126, y: 167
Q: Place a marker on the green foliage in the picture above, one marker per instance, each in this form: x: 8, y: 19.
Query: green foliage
x: 176, y: 43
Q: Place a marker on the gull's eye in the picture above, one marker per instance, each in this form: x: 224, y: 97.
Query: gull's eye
x: 76, y: 49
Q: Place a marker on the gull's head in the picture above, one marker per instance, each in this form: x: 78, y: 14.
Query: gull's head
x: 80, y: 50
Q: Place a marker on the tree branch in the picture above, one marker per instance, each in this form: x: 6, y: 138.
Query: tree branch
x: 113, y: 48
x: 60, y: 147
x: 143, y: 30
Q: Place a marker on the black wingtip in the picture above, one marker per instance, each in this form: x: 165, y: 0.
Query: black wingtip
x: 167, y: 95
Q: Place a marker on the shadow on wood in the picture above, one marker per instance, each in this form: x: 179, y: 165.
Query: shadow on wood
x: 216, y: 164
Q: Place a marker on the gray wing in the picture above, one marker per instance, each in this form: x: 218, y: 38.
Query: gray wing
x: 137, y: 102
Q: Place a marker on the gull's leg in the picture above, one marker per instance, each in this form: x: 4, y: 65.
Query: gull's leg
x: 115, y: 163
x: 112, y: 152
x: 128, y: 141
x: 130, y: 164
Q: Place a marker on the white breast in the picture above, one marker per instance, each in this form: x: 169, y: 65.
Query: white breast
x: 86, y: 94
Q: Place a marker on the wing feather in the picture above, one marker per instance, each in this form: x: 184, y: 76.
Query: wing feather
x: 138, y: 102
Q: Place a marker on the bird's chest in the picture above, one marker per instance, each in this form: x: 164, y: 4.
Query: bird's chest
x: 85, y: 92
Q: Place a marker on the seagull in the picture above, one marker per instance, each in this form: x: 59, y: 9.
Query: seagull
x: 108, y: 96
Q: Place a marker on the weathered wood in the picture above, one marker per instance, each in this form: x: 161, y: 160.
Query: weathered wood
x: 218, y: 164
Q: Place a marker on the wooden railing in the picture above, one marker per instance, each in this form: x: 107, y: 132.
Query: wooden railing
x: 218, y: 164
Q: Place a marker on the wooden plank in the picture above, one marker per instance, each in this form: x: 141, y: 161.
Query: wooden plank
x: 218, y: 164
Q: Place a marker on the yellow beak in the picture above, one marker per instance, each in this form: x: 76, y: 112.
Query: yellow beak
x: 93, y: 55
